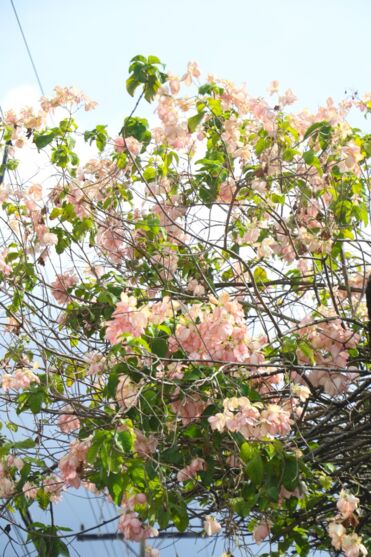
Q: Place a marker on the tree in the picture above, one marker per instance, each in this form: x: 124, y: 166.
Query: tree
x: 184, y: 315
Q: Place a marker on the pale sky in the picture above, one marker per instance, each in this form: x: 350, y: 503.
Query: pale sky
x: 319, y: 48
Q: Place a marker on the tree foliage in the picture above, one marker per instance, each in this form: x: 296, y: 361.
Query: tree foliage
x: 183, y: 324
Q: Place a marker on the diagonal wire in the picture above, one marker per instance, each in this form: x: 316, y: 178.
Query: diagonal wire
x: 27, y: 48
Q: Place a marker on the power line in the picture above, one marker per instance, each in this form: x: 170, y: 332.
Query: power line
x: 27, y: 48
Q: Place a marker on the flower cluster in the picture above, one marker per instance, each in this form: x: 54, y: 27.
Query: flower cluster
x: 217, y: 333
x: 350, y: 543
x: 252, y: 420
x: 21, y: 379
x: 68, y: 421
x: 126, y: 319
x: 133, y: 529
x: 72, y: 463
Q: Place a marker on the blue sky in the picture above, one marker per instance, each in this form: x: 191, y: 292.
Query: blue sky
x: 319, y: 48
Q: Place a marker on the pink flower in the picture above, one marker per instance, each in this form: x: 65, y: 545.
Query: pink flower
x: 30, y: 490
x: 53, y: 485
x: 287, y: 98
x: 211, y: 526
x: 68, y: 421
x: 352, y: 545
x: 276, y: 420
x: 174, y: 85
x: 71, y: 464
x: 151, y: 551
x: 127, y: 392
x: 273, y: 87
x: 227, y: 190
x: 22, y: 379
x: 49, y: 239
x: 15, y: 461
x: 4, y: 267
x: 218, y: 422
x: 126, y: 319
x: 336, y: 532
x: 189, y: 408
x: 35, y: 191
x: 7, y: 488
x: 261, y: 531
x: 60, y: 286
x: 352, y: 156
x: 191, y: 470
x: 144, y: 446
x: 137, y: 499
x: 347, y: 504
x: 133, y: 529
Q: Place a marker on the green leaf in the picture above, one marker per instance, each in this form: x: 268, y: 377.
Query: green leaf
x: 159, y: 347
x: 248, y: 452
x: 137, y: 128
x: 149, y: 174
x: 179, y: 516
x: 194, y: 121
x: 25, y: 444
x: 131, y: 85
x: 260, y: 275
x: 163, y: 517
x: 43, y: 139
x: 125, y: 441
x: 291, y: 473
x: 153, y: 60
x: 255, y: 469
x: 307, y: 351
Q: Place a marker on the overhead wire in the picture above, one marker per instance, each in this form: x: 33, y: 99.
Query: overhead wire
x: 5, y: 154
x: 27, y: 48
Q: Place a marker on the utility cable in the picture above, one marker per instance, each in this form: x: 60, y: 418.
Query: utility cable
x: 27, y: 48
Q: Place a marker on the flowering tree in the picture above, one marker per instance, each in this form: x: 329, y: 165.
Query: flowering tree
x: 183, y: 324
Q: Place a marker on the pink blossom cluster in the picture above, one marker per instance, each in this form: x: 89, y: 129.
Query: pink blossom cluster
x: 261, y: 531
x: 133, y: 529
x: 61, y: 285
x: 167, y: 260
x: 126, y: 319
x: 252, y: 420
x: 7, y: 485
x: 227, y: 191
x: 97, y: 363
x: 21, y: 379
x: 68, y: 421
x: 129, y: 504
x: 151, y: 551
x: 330, y: 341
x: 110, y: 240
x: 218, y: 333
x: 77, y: 196
x: 127, y: 392
x: 130, y: 144
x: 350, y: 543
x: 30, y: 490
x: 144, y: 445
x: 196, y: 288
x: 4, y: 267
x: 28, y: 118
x: 67, y: 96
x: 211, y: 526
x: 189, y: 408
x: 53, y: 485
x: 71, y: 464
x: 191, y: 470
x: 173, y: 131
x: 162, y: 311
